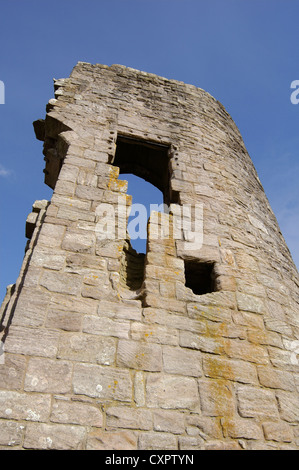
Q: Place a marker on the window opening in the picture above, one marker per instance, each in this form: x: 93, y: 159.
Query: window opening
x: 199, y: 276
x: 145, y: 159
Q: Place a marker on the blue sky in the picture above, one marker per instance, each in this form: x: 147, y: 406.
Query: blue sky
x: 243, y: 52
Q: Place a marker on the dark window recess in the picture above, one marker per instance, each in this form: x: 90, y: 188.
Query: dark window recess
x: 132, y: 268
x: 199, y: 277
x: 144, y: 159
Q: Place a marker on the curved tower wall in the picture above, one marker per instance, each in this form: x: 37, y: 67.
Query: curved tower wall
x: 193, y: 346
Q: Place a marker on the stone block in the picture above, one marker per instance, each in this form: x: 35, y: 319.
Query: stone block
x: 182, y: 361
x: 239, y: 428
x: 89, y: 193
x: 12, y: 372
x: 190, y: 443
x: 169, y: 421
x: 79, y: 242
x: 139, y: 355
x: 102, y: 382
x: 239, y: 349
x: 120, y: 440
x: 211, y: 313
x: 278, y: 431
x: 32, y: 341
x: 129, y: 310
x: 87, y: 348
x: 106, y: 326
x: 230, y: 369
x: 69, y: 173
x: 44, y: 375
x: 11, y: 433
x: 274, y: 378
x: 30, y: 310
x: 40, y: 436
x: 250, y: 303
x: 45, y: 258
x: 51, y: 235
x: 59, y: 319
x: 257, y: 403
x: 128, y: 418
x: 216, y: 398
x: 157, y: 441
x: 62, y: 283
x: 70, y: 412
x: 171, y: 392
x: 208, y: 427
x: 24, y: 406
x: 288, y: 406
x: 154, y: 333
x: 201, y: 342
x: 139, y: 388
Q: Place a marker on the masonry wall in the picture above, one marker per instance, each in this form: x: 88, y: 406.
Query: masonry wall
x: 91, y: 363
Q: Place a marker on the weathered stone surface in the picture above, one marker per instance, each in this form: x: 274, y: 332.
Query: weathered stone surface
x: 157, y: 441
x: 190, y: 443
x: 24, y: 406
x: 201, y: 342
x: 106, y: 326
x: 44, y: 375
x: 51, y: 235
x: 79, y: 242
x: 216, y: 398
x: 31, y: 311
x: 170, y: 391
x: 128, y: 418
x: 129, y: 310
x: 11, y: 433
x: 182, y: 361
x: 288, y: 406
x: 12, y: 372
x: 120, y: 440
x: 68, y: 412
x: 30, y: 341
x: 169, y: 421
x: 279, y: 431
x: 250, y: 303
x: 154, y: 333
x: 42, y: 436
x: 102, y: 382
x: 87, y: 348
x: 62, y: 320
x: 204, y: 426
x: 238, y: 428
x: 139, y: 355
x: 257, y: 403
x: 61, y: 283
x: 235, y: 370
x: 273, y: 378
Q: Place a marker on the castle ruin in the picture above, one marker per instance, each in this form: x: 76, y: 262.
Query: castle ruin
x: 192, y: 346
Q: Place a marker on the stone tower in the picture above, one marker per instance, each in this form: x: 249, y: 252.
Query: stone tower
x: 191, y: 346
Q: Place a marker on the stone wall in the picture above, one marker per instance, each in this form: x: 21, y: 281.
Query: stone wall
x: 94, y: 361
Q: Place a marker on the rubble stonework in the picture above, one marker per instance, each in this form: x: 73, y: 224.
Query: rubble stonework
x: 106, y: 349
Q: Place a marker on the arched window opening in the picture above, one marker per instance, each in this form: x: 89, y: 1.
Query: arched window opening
x: 145, y: 159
